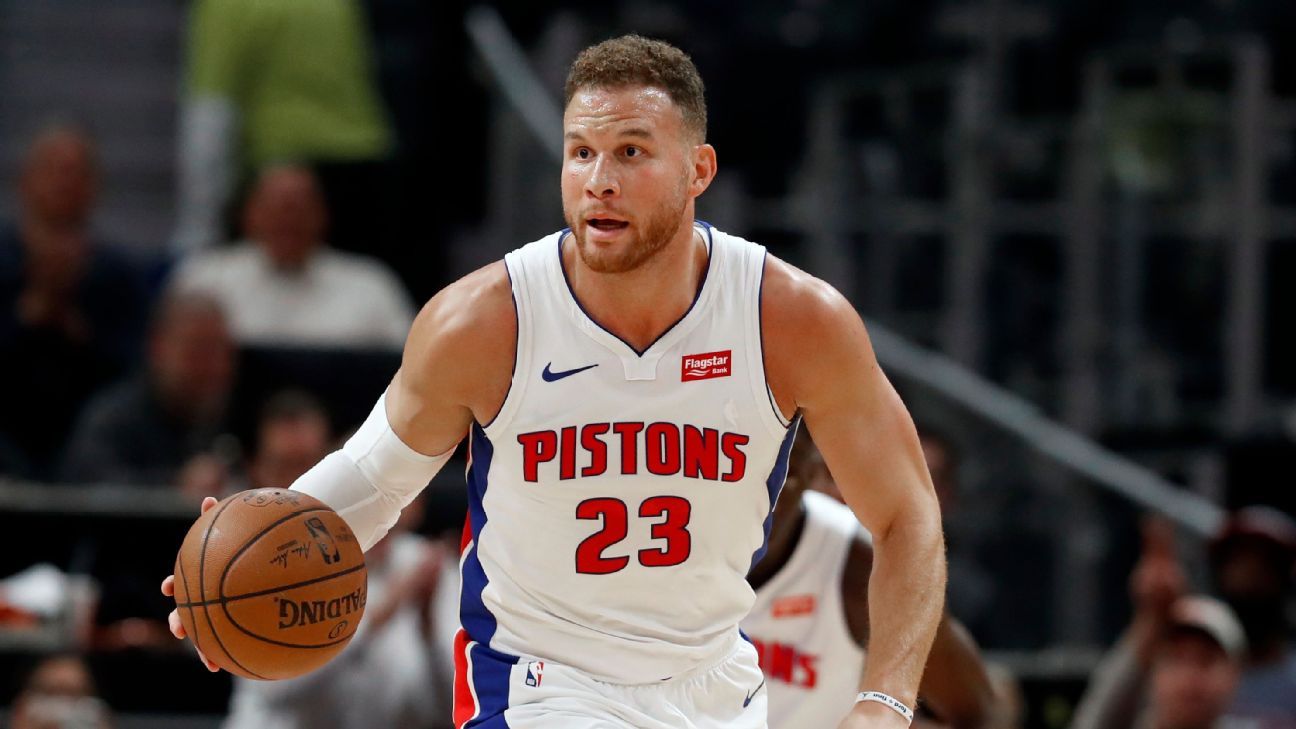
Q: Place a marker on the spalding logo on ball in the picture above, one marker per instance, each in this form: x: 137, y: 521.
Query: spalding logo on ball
x: 270, y: 584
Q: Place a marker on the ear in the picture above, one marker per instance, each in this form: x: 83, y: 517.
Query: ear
x: 704, y: 169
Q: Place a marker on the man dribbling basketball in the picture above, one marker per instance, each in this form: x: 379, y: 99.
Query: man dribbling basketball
x: 632, y: 387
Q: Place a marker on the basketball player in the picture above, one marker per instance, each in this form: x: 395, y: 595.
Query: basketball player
x: 631, y: 388
x: 810, y: 620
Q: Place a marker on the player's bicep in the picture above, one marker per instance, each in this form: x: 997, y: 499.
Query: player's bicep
x: 457, y: 363
x: 857, y: 419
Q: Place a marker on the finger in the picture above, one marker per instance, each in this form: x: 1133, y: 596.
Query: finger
x: 177, y: 627
x: 208, y: 503
x: 207, y: 662
x: 168, y: 586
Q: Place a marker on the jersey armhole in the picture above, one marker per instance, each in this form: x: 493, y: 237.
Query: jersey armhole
x: 778, y: 424
x: 521, y: 347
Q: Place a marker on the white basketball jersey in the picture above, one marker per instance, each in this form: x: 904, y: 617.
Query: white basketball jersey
x: 811, y: 662
x: 618, y: 499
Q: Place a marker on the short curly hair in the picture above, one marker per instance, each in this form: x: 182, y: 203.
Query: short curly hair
x: 632, y: 60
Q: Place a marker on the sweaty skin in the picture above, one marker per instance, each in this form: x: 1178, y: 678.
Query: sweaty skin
x: 631, y: 174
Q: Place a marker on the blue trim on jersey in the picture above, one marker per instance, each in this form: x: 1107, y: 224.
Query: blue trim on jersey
x: 760, y: 329
x: 492, y: 672
x: 775, y: 484
x: 474, y: 616
x: 696, y: 295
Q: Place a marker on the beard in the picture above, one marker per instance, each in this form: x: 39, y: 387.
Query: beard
x: 659, y: 227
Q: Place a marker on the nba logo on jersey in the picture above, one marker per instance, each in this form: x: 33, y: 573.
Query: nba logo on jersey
x: 706, y: 365
x: 535, y: 672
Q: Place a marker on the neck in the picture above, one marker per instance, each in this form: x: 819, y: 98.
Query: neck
x: 639, y: 305
x: 789, y: 522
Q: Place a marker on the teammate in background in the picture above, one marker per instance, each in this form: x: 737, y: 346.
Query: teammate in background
x: 633, y: 386
x: 810, y: 621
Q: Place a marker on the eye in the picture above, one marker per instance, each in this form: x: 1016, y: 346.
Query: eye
x: 583, y: 153
x: 632, y: 151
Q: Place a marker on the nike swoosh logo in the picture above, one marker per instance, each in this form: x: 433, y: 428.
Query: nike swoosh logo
x: 747, y: 700
x: 550, y: 376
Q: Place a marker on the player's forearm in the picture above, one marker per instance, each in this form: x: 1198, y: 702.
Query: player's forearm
x: 371, y: 478
x: 906, y: 600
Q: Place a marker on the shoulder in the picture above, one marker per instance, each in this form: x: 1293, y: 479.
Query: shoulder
x: 464, y: 338
x: 358, y: 271
x: 801, y: 313
x: 354, y: 264
x: 796, y: 305
x: 476, y: 308
x: 203, y: 266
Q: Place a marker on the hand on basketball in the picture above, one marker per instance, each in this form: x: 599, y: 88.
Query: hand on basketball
x: 168, y: 589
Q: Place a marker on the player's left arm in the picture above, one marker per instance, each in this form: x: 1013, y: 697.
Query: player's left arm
x: 819, y: 360
x: 955, y: 686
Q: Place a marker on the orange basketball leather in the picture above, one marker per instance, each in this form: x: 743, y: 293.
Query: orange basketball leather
x: 270, y: 584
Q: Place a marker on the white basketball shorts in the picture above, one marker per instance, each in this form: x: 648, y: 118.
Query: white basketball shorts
x: 498, y: 691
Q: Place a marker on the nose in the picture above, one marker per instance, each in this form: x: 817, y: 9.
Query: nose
x: 602, y: 182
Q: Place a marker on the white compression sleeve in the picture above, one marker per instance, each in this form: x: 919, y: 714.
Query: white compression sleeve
x: 371, y: 478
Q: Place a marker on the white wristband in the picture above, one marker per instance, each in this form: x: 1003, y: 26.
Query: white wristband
x: 887, y: 701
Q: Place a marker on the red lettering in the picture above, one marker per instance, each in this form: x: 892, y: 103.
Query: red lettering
x: 629, y: 433
x: 539, y: 447
x: 760, y: 652
x: 597, y: 449
x: 662, y: 449
x: 732, y: 444
x: 674, y: 529
x: 567, y: 465
x: 701, y: 453
x: 810, y: 675
x: 782, y: 659
x: 615, y: 519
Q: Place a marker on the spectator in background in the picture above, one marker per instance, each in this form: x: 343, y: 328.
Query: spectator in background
x: 70, y: 306
x: 1252, y: 563
x: 273, y: 80
x: 1188, y: 674
x: 1195, y: 668
x: 164, y: 427
x: 284, y: 287
x: 293, y: 434
x: 1194, y: 649
x: 59, y: 693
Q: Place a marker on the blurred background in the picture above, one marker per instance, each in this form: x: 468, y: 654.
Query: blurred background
x: 1069, y: 223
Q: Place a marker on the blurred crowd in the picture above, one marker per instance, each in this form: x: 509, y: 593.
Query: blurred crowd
x: 242, y: 352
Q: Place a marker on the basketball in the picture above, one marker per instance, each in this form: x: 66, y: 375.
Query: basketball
x: 270, y: 584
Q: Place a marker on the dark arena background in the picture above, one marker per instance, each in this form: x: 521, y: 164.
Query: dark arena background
x: 1069, y: 224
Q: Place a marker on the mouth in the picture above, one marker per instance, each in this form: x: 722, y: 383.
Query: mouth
x: 606, y: 224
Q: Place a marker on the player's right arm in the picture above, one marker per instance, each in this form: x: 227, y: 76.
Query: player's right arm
x: 457, y: 366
